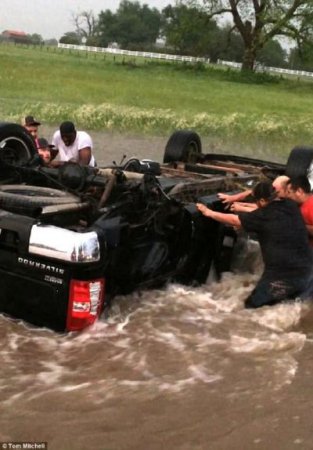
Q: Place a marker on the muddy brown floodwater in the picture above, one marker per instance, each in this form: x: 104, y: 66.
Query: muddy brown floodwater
x: 109, y: 146
x: 177, y: 368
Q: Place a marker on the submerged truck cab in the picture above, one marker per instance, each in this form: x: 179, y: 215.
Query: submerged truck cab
x: 50, y: 276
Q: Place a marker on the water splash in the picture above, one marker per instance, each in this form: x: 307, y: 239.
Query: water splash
x: 170, y: 340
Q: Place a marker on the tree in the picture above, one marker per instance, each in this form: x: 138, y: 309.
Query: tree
x: 51, y: 42
x: 71, y: 37
x: 229, y: 45
x: 302, y: 58
x: 35, y: 39
x: 259, y: 21
x: 272, y: 55
x: 107, y: 28
x: 188, y: 30
x: 132, y: 24
x: 86, y: 26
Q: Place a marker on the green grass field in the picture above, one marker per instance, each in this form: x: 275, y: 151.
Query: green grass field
x: 267, y: 114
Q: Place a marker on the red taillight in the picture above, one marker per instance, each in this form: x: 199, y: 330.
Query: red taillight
x: 85, y: 303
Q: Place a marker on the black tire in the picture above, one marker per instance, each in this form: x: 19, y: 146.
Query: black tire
x: 12, y: 195
x: 299, y: 161
x: 17, y: 146
x: 183, y: 145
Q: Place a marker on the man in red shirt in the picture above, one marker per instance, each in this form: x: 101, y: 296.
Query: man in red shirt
x: 299, y: 190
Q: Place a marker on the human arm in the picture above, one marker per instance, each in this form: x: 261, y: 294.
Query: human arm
x: 226, y: 198
x: 243, y: 207
x: 56, y: 163
x: 229, y: 219
x: 84, y: 156
x: 84, y: 146
x: 55, y: 152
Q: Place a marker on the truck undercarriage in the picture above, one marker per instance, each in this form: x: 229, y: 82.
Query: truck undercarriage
x: 73, y: 237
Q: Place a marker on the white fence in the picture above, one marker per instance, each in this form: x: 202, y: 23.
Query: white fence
x: 261, y: 68
x: 117, y: 51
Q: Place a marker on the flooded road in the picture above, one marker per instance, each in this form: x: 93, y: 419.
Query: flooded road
x: 176, y: 368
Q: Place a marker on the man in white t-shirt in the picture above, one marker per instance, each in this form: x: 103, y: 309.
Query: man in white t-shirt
x: 73, y: 145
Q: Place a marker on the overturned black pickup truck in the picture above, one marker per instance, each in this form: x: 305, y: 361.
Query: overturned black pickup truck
x: 73, y: 237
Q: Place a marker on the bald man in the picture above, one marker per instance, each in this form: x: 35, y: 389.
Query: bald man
x: 280, y: 185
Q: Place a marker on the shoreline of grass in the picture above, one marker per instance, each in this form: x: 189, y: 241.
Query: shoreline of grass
x: 280, y: 133
x: 223, y: 108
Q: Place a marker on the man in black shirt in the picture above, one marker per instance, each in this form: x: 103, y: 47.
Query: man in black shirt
x: 284, y: 244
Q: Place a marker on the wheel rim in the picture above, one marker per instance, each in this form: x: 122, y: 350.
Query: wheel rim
x: 14, y: 150
x: 192, y: 152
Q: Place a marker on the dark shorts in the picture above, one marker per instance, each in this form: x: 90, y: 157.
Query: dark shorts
x: 270, y: 291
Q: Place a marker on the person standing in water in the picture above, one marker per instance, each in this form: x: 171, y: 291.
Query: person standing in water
x: 283, y: 238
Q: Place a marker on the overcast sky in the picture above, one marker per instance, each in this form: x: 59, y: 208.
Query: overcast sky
x: 52, y: 18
